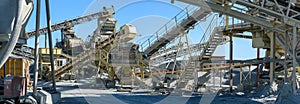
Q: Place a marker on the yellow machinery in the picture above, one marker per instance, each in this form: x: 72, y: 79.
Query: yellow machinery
x: 16, y: 66
x: 70, y: 45
x: 59, y: 55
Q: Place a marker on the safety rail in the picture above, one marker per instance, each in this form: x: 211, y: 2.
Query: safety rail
x: 168, y: 27
x: 164, y: 54
x: 209, y: 30
x: 217, y: 24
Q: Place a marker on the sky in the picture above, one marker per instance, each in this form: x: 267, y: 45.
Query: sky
x: 147, y: 15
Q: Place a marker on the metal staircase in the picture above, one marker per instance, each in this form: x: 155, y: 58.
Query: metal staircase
x: 178, y: 25
x: 187, y: 74
x: 211, y: 39
x: 272, y: 17
x: 207, y: 45
x: 215, y: 39
x: 165, y: 54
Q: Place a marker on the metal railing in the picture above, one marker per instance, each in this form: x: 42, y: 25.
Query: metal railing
x: 174, y: 22
x: 160, y: 57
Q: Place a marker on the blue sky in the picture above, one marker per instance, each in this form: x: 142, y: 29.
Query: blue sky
x: 147, y: 15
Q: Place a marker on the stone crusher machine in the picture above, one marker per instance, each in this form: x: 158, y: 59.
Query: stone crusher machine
x: 118, y: 58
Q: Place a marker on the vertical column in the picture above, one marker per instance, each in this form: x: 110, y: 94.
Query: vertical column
x: 285, y: 58
x: 50, y: 44
x: 241, y: 75
x: 46, y: 41
x: 142, y: 73
x: 133, y: 76
x: 272, y: 56
x: 195, y: 78
x: 257, y: 68
x: 220, y: 71
x: 214, y: 76
x: 294, y: 59
x: 36, y: 49
x: 250, y: 75
x: 5, y: 68
x: 62, y: 39
x: 231, y: 58
x: 201, y: 66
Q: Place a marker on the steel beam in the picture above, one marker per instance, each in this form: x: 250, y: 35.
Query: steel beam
x: 231, y: 58
x: 286, y: 49
x: 50, y: 44
x: 294, y: 59
x: 272, y: 56
x: 257, y: 68
x: 36, y: 50
x: 288, y: 20
x: 227, y: 11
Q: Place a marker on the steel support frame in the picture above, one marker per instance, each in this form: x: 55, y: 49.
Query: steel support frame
x: 294, y: 77
x: 236, y: 14
x: 230, y: 65
x: 50, y: 44
x: 272, y: 56
x: 268, y: 25
x: 36, y: 50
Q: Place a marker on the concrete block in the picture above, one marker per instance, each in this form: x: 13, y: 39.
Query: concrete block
x: 44, y: 97
x: 56, y: 97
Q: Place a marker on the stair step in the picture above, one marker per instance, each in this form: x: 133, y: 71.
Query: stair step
x: 187, y: 78
x: 189, y: 72
x: 189, y: 69
x: 209, y: 50
x: 213, y: 43
x: 208, y: 53
x: 189, y: 75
